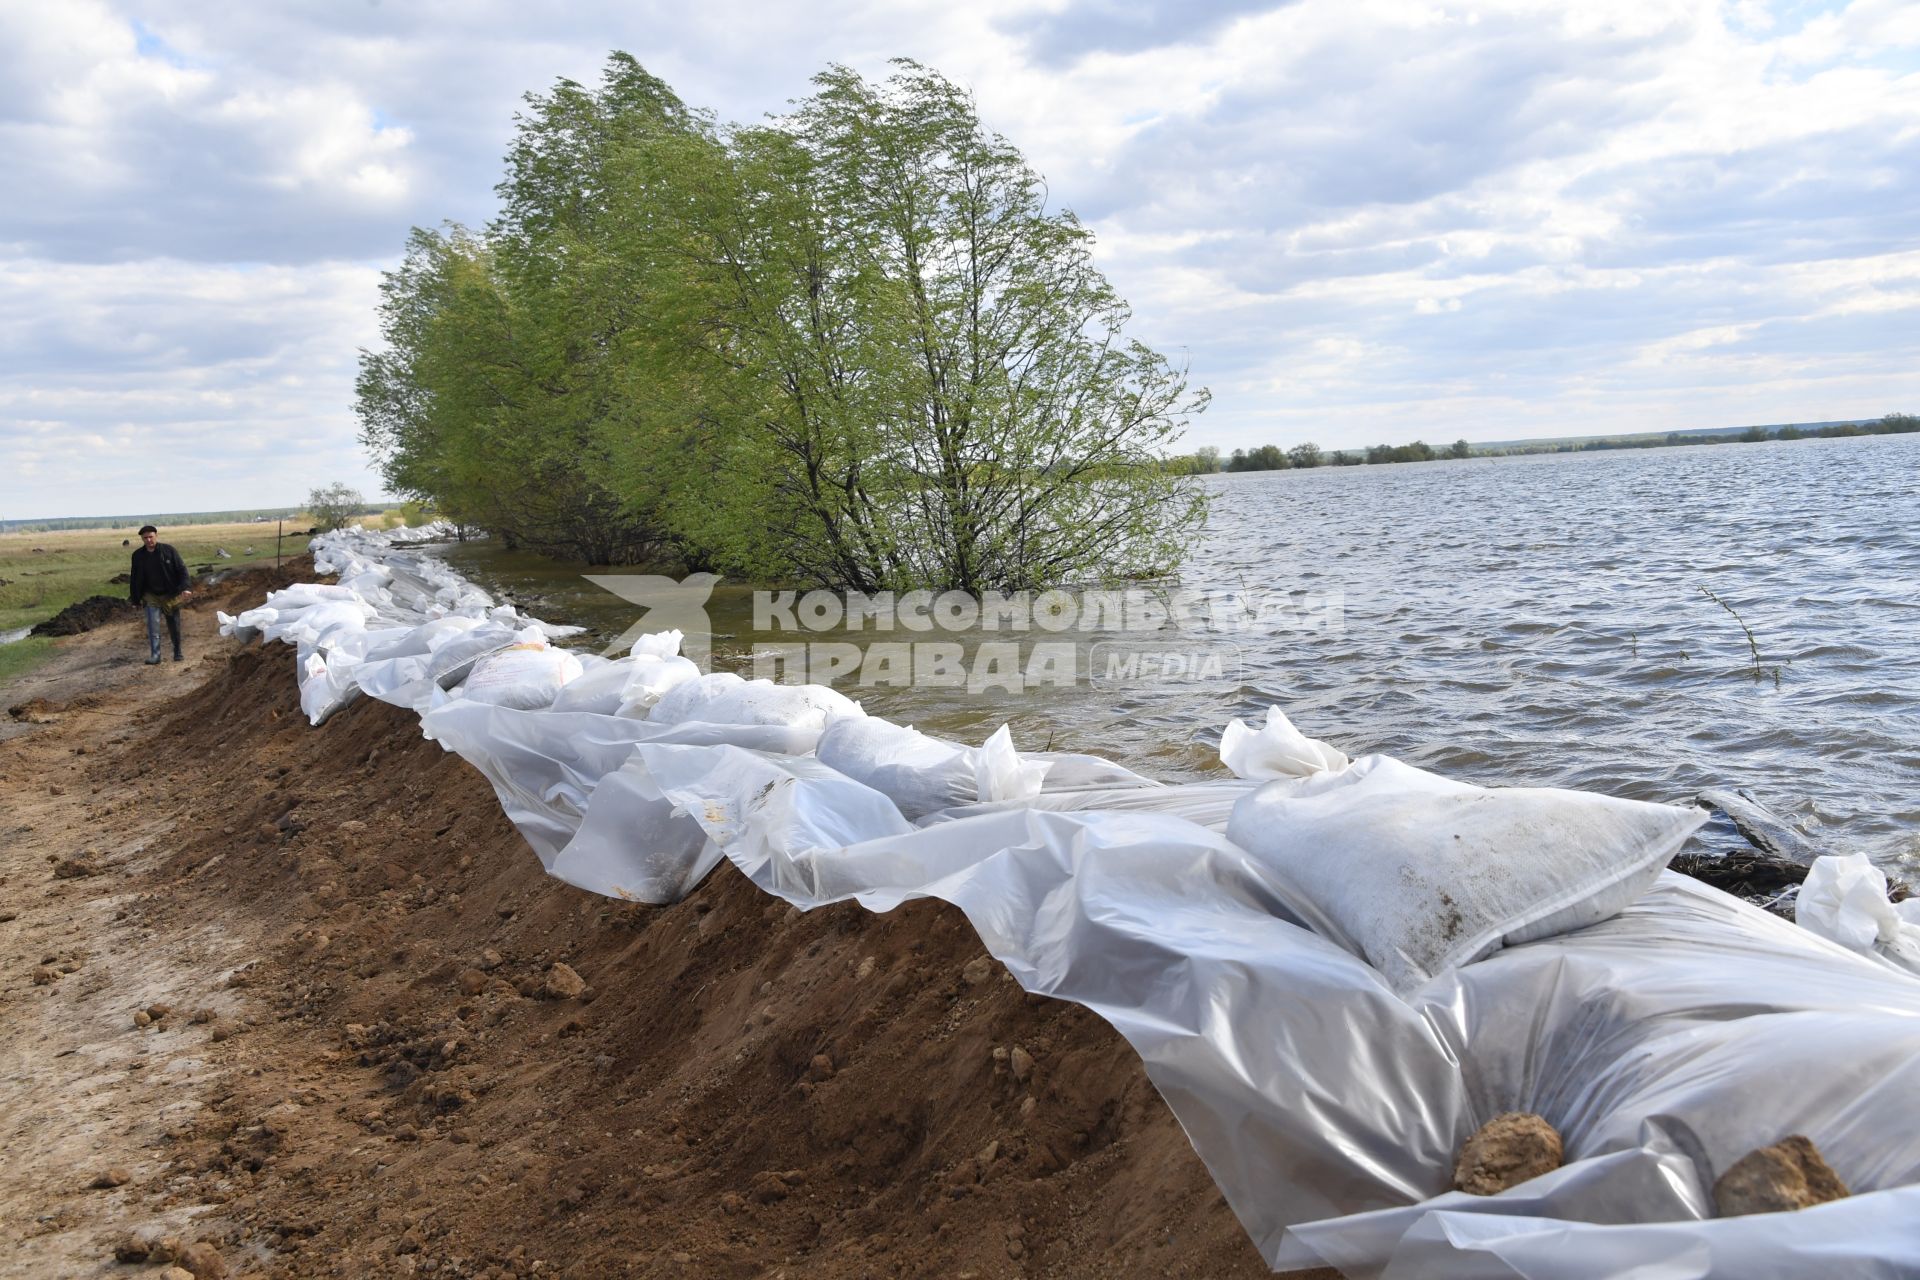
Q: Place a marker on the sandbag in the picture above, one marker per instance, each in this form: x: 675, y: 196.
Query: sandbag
x: 724, y: 698
x: 634, y: 844
x: 454, y: 659
x: 918, y: 773
x: 526, y: 676
x: 1276, y: 750
x: 325, y: 686
x: 1206, y: 804
x: 600, y: 690
x: 422, y: 639
x: 656, y: 668
x: 1422, y: 873
x: 1844, y: 899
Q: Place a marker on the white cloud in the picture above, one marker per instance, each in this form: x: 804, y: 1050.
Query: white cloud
x: 1491, y: 218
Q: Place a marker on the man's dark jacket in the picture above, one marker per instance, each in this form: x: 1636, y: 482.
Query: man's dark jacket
x: 159, y: 572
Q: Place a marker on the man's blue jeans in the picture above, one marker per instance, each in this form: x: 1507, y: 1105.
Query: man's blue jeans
x: 154, y: 614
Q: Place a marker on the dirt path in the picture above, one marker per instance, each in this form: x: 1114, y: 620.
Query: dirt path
x: 86, y: 1096
x: 394, y: 1046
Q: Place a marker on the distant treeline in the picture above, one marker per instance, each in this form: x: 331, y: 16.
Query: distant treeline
x: 1269, y: 457
x: 1891, y: 424
x: 165, y: 520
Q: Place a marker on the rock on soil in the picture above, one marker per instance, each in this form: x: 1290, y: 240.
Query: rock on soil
x: 563, y: 983
x: 84, y: 615
x: 1790, y: 1174
x: 203, y: 1262
x: 1506, y: 1151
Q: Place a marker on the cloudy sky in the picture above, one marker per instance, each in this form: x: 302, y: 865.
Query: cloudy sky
x: 1357, y: 220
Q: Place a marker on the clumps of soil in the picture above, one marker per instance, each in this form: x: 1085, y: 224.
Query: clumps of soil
x: 1506, y: 1151
x: 84, y: 615
x: 200, y: 1260
x: 1790, y: 1174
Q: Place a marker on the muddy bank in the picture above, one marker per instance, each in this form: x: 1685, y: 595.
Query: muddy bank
x: 424, y: 1056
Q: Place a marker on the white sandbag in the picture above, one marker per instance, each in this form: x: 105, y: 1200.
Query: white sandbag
x: 1001, y: 773
x: 601, y: 690
x: 526, y: 676
x: 923, y: 774
x: 1206, y: 804
x: 656, y: 668
x: 1072, y: 771
x: 423, y: 639
x: 634, y: 844
x: 257, y: 619
x: 454, y: 659
x: 367, y: 580
x: 509, y: 616
x: 920, y: 774
x: 234, y: 627
x: 724, y: 698
x: 325, y: 686
x: 1844, y: 899
x: 1422, y: 873
x: 305, y: 624
x: 302, y: 594
x: 545, y: 765
x: 1276, y: 750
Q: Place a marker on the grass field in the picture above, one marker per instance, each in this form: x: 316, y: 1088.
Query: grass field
x: 43, y: 573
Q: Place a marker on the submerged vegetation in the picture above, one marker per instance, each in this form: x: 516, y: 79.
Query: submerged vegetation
x: 850, y: 347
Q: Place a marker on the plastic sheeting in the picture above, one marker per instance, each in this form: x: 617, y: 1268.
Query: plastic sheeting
x: 1663, y: 1043
x: 1845, y: 899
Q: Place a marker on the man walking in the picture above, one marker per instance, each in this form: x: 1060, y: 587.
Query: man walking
x: 158, y: 580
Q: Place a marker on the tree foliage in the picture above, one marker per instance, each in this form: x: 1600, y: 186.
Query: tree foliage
x: 851, y: 346
x: 331, y: 506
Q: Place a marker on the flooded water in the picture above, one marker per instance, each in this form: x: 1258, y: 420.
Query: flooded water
x: 1512, y: 621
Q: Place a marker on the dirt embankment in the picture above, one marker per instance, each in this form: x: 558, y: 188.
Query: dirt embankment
x: 388, y: 1044
x: 85, y: 615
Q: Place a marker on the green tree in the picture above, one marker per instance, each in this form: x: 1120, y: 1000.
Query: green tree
x: 851, y: 347
x: 1305, y: 455
x: 916, y: 371
x: 333, y: 505
x: 509, y: 360
x: 1026, y: 421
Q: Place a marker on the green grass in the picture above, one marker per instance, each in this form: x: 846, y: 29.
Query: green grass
x: 71, y: 565
x: 22, y: 656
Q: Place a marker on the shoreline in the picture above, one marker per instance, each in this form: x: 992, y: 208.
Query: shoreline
x: 397, y: 1079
